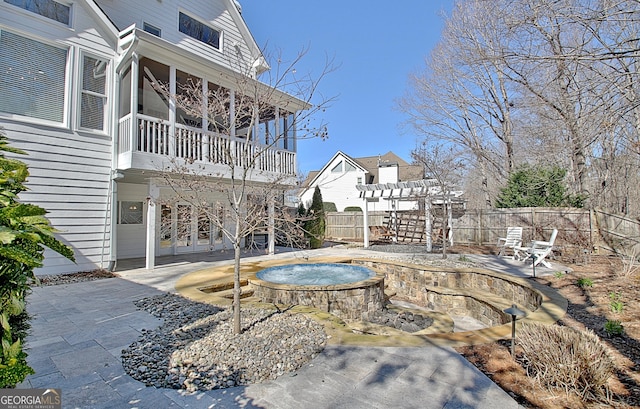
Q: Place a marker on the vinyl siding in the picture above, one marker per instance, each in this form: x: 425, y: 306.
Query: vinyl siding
x: 85, y: 32
x: 72, y: 184
x: 69, y: 169
x: 164, y: 15
x: 337, y: 187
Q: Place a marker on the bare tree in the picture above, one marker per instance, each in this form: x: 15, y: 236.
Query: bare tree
x: 444, y: 164
x: 253, y: 127
x: 464, y: 97
x: 537, y: 81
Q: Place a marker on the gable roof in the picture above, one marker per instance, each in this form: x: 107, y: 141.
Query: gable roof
x: 313, y: 175
x: 370, y: 165
x: 102, y: 17
x: 406, y: 171
x: 235, y: 9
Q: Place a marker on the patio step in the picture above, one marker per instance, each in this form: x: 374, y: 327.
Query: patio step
x: 489, y: 299
x: 220, y: 287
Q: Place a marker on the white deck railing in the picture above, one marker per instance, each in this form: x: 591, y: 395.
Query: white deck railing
x: 153, y: 136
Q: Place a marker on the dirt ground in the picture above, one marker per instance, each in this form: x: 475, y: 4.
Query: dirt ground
x: 589, y: 307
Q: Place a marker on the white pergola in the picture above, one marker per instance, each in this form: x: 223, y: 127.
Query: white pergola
x: 426, y: 189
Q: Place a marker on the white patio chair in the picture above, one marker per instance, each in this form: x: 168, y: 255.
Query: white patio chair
x: 512, y: 240
x: 538, y: 250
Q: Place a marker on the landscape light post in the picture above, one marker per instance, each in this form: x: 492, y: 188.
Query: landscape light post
x: 515, y: 312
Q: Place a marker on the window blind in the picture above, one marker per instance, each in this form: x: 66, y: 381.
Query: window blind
x: 32, y: 77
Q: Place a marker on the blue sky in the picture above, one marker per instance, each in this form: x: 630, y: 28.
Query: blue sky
x: 376, y: 44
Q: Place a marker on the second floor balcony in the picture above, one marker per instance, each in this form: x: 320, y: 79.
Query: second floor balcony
x: 155, y: 144
x: 220, y: 133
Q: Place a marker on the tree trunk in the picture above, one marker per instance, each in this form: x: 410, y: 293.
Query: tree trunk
x: 237, y: 291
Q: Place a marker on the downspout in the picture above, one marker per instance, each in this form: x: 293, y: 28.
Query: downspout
x: 112, y: 191
x: 110, y: 217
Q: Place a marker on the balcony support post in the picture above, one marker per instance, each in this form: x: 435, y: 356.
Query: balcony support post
x: 150, y: 255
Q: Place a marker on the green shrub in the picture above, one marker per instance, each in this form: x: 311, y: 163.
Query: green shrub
x: 538, y: 186
x: 558, y: 274
x: 561, y: 357
x: 616, y: 302
x: 613, y: 328
x: 353, y: 209
x: 329, y: 207
x: 24, y: 231
x: 13, y: 370
x: 585, y: 282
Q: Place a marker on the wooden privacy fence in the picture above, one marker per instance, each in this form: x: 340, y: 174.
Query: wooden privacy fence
x: 349, y: 225
x: 579, y: 230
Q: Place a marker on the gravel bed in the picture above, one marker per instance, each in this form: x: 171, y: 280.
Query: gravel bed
x: 196, y: 349
x: 58, y: 279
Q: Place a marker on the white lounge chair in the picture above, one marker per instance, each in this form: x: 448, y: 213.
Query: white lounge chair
x: 512, y: 240
x: 538, y: 250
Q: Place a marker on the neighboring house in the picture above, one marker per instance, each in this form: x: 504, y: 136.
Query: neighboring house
x: 338, y: 179
x: 77, y: 97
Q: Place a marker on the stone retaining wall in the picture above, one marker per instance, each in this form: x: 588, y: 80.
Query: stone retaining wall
x: 429, y: 287
x: 353, y: 301
x: 467, y: 305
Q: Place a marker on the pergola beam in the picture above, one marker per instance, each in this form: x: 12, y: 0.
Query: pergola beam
x: 411, y: 190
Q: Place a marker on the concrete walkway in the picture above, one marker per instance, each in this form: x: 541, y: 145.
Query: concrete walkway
x: 79, y: 329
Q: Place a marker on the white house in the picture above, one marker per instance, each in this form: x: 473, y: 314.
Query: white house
x: 77, y: 95
x: 338, y: 179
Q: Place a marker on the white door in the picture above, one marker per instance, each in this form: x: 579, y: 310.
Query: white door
x: 182, y: 231
x: 167, y: 230
x: 193, y: 231
x: 203, y: 231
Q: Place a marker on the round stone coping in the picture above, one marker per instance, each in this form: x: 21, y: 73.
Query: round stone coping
x: 552, y: 308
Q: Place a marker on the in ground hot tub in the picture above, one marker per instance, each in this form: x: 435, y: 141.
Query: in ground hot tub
x: 345, y: 290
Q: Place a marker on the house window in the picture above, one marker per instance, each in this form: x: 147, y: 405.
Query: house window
x: 152, y: 29
x: 204, y: 227
x: 46, y: 8
x: 130, y: 213
x: 33, y: 77
x: 94, y: 93
x: 198, y: 30
x: 359, y: 182
x: 337, y: 168
x: 348, y: 167
x: 166, y: 238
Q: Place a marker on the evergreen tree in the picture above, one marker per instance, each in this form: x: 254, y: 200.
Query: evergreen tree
x: 315, y: 226
x: 537, y: 186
